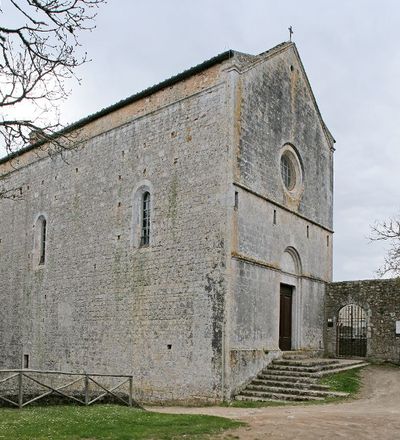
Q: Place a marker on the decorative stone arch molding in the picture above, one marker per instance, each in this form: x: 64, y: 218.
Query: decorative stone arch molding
x: 291, y: 262
x: 143, y: 187
x: 291, y: 270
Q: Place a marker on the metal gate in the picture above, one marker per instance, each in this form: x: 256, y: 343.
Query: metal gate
x: 352, y: 331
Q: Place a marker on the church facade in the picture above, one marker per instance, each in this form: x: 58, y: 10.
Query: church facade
x: 187, y: 239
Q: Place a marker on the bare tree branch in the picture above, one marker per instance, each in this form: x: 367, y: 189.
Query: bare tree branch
x: 6, y: 192
x: 37, y: 55
x: 389, y: 231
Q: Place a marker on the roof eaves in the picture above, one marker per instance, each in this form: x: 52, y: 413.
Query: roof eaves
x: 135, y: 97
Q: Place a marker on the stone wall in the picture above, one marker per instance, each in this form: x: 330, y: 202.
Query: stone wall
x: 277, y: 109
x: 196, y: 313
x: 271, y: 225
x: 101, y: 303
x: 381, y: 301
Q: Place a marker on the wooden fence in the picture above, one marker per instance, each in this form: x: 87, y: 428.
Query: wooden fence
x: 18, y: 384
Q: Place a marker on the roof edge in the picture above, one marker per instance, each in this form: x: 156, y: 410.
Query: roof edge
x: 281, y: 48
x: 122, y: 103
x: 326, y: 130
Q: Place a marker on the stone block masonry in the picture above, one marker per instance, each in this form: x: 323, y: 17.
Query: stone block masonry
x: 192, y: 311
x: 101, y: 303
x: 381, y: 301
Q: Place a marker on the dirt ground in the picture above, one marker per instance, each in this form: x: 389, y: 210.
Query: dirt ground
x: 374, y: 415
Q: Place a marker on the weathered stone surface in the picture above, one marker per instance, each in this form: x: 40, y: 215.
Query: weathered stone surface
x: 278, y: 238
x: 196, y: 313
x: 100, y: 303
x: 381, y: 301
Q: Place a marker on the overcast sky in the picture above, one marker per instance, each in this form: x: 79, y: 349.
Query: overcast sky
x: 351, y: 55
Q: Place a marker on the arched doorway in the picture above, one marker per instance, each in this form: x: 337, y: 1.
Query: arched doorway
x: 352, y: 331
x: 290, y: 300
x: 285, y: 317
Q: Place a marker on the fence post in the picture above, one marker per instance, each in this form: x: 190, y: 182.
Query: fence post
x: 86, y: 389
x: 20, y: 391
x: 130, y: 390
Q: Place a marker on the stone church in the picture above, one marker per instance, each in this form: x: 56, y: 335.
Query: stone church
x: 187, y: 239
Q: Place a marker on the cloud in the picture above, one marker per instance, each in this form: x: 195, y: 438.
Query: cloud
x: 351, y: 55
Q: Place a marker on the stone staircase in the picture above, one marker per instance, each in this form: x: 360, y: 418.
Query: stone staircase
x: 295, y: 378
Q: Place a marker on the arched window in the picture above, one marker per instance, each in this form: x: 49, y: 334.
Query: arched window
x: 42, y: 241
x: 287, y: 171
x: 143, y: 215
x: 145, y: 231
x: 291, y: 170
x: 40, y: 238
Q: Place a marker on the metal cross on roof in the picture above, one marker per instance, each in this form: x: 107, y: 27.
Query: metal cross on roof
x: 290, y: 33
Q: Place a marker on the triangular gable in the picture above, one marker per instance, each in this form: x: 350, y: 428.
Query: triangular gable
x: 278, y: 50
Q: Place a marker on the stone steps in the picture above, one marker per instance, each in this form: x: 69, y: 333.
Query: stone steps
x: 300, y: 354
x: 339, y: 369
x: 293, y: 391
x: 294, y: 378
x: 284, y: 384
x: 260, y: 399
x: 288, y: 378
x: 306, y: 362
x: 306, y: 368
x: 267, y: 396
x: 295, y: 356
x: 289, y: 373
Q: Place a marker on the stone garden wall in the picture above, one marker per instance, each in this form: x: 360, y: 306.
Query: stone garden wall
x: 381, y: 301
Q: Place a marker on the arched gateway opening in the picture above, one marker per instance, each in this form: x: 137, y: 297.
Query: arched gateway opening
x: 352, y: 331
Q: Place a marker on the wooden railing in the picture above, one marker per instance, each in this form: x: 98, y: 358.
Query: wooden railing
x: 83, y: 394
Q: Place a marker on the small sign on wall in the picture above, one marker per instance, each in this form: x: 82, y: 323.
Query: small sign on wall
x: 397, y: 328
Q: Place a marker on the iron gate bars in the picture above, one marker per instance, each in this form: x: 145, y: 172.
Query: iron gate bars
x: 88, y: 379
x: 352, y: 331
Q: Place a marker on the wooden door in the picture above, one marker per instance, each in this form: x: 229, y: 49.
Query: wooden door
x: 285, y: 318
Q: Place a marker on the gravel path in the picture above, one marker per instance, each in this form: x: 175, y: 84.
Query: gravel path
x: 375, y: 415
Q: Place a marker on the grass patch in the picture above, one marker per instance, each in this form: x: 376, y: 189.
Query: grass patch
x: 105, y: 422
x: 346, y: 381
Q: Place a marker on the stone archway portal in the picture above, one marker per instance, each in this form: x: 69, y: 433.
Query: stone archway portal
x: 352, y: 331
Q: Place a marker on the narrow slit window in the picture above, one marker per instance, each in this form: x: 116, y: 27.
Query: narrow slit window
x: 308, y: 231
x: 274, y: 219
x: 236, y: 200
x: 42, y: 254
x: 145, y: 236
x: 26, y: 361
